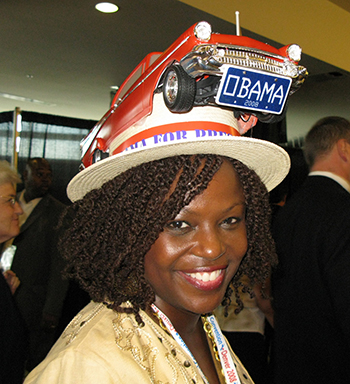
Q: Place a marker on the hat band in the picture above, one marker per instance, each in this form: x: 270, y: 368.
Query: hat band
x: 171, y: 134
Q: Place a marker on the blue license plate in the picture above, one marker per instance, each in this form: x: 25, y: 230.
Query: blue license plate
x: 252, y: 90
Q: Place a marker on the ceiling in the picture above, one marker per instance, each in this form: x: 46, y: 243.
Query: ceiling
x: 62, y: 57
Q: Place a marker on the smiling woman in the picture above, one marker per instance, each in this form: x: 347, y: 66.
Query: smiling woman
x: 160, y: 237
x: 196, y: 256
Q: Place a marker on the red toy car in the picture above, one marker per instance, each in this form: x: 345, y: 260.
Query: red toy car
x: 200, y: 68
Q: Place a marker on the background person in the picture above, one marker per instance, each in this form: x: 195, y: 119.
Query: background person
x: 13, y: 338
x: 311, y: 285
x: 37, y: 262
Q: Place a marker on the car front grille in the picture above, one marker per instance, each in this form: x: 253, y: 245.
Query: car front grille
x: 208, y: 59
x: 255, y: 59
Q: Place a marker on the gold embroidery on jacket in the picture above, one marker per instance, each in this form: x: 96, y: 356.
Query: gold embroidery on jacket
x: 139, y: 343
x: 78, y: 323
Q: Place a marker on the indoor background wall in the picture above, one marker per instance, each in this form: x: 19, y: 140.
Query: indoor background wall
x: 321, y: 28
x: 62, y: 57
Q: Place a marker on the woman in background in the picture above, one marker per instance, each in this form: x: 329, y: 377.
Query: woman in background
x: 13, y: 339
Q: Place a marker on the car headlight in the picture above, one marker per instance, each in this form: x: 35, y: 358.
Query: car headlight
x: 294, y: 52
x: 203, y: 31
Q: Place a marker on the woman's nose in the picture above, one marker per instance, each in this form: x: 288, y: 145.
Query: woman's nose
x: 208, y: 244
x: 18, y: 208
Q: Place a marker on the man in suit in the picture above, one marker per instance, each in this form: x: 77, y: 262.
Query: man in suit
x: 312, y: 283
x: 37, y: 262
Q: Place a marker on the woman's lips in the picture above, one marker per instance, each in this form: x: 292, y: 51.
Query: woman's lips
x: 205, y: 280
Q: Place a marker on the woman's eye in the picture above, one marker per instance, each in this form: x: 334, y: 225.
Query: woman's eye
x: 230, y: 221
x: 178, y: 225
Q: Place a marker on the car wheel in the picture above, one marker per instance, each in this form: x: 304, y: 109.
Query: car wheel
x: 179, y: 89
x: 269, y: 118
x: 98, y: 155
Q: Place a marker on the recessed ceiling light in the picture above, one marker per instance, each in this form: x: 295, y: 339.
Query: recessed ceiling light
x: 106, y: 7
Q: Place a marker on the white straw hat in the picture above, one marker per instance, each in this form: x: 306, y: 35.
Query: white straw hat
x: 162, y: 134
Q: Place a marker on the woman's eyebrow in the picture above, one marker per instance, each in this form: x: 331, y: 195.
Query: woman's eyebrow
x: 190, y: 211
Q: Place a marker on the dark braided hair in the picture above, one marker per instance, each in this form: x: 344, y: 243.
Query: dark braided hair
x: 115, y: 226
x: 261, y: 256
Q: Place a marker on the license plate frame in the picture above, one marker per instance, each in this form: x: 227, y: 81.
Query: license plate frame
x: 251, y: 89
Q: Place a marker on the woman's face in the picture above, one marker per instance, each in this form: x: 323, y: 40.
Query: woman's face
x: 9, y: 224
x: 192, y: 262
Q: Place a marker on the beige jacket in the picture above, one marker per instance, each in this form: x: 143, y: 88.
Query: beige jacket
x: 102, y: 346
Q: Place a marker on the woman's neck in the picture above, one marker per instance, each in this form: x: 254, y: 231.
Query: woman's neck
x: 190, y: 327
x: 185, y: 323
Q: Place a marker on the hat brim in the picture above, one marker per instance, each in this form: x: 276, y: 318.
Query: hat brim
x: 268, y: 160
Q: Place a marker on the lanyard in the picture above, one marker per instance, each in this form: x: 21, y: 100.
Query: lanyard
x: 226, y: 360
x: 227, y: 363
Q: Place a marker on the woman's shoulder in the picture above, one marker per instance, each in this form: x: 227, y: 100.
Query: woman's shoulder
x: 112, y: 347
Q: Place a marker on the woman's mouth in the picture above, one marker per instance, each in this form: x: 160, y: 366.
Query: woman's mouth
x: 206, y: 276
x: 205, y: 280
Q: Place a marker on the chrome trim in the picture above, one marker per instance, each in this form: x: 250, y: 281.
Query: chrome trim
x: 87, y: 140
x: 202, y: 60
x: 207, y: 59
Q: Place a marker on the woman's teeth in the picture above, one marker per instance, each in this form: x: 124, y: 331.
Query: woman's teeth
x: 205, y: 276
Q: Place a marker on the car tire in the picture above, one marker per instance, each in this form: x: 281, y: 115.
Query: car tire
x: 270, y: 118
x: 179, y: 89
x: 98, y: 155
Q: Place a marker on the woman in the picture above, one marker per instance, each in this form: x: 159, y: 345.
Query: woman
x: 10, y: 209
x: 13, y: 338
x: 158, y: 235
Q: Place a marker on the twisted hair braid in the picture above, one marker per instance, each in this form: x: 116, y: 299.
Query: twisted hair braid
x: 261, y: 255
x: 115, y: 226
